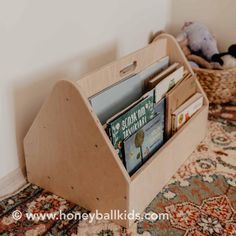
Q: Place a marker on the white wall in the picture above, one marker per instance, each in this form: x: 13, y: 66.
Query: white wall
x: 38, y: 35
x: 218, y: 15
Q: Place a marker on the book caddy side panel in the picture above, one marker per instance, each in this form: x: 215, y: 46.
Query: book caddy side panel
x: 68, y: 152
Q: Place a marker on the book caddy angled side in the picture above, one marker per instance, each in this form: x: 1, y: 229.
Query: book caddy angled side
x: 68, y: 152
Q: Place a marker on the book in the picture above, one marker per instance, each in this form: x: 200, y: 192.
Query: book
x: 176, y: 97
x: 160, y: 110
x: 130, y: 120
x: 142, y: 144
x: 123, y: 93
x: 168, y: 83
x: 152, y: 82
x: 186, y: 111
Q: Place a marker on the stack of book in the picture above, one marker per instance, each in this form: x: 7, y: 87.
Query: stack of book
x: 143, y: 111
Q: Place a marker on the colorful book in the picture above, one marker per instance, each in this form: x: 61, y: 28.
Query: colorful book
x: 141, y: 145
x: 186, y: 111
x: 129, y: 121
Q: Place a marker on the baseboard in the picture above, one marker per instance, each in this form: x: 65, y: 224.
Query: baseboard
x: 11, y: 183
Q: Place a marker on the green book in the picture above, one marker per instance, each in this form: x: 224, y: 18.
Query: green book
x: 147, y: 140
x: 127, y: 122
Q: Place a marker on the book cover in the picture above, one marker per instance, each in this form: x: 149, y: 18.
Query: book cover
x: 130, y: 121
x: 168, y: 83
x: 176, y: 97
x: 186, y: 111
x: 141, y: 145
x: 160, y: 110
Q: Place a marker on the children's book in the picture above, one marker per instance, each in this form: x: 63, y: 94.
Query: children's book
x: 186, y: 111
x: 130, y: 120
x: 142, y: 144
x: 152, y: 82
x: 168, y: 83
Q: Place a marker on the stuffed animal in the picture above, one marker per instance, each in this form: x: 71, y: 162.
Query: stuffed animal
x: 200, y: 61
x: 200, y: 40
x: 227, y: 60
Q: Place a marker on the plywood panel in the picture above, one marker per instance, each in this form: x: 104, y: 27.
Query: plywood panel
x: 68, y: 155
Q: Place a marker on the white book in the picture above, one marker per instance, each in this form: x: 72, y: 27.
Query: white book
x: 186, y: 111
x: 167, y: 83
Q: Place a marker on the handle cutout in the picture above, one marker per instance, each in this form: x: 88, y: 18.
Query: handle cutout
x: 128, y: 69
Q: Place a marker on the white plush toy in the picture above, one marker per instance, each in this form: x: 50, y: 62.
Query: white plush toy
x: 199, y: 39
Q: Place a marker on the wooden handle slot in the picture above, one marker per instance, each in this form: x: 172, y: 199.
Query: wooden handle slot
x: 129, y: 69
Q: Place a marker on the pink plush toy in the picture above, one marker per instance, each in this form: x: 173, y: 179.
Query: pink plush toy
x: 199, y: 39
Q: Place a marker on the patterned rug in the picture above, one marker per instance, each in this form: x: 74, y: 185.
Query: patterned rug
x: 200, y: 198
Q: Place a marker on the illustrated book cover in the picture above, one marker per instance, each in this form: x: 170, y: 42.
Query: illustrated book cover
x: 142, y: 144
x: 186, y: 111
x: 168, y: 83
x: 127, y: 122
